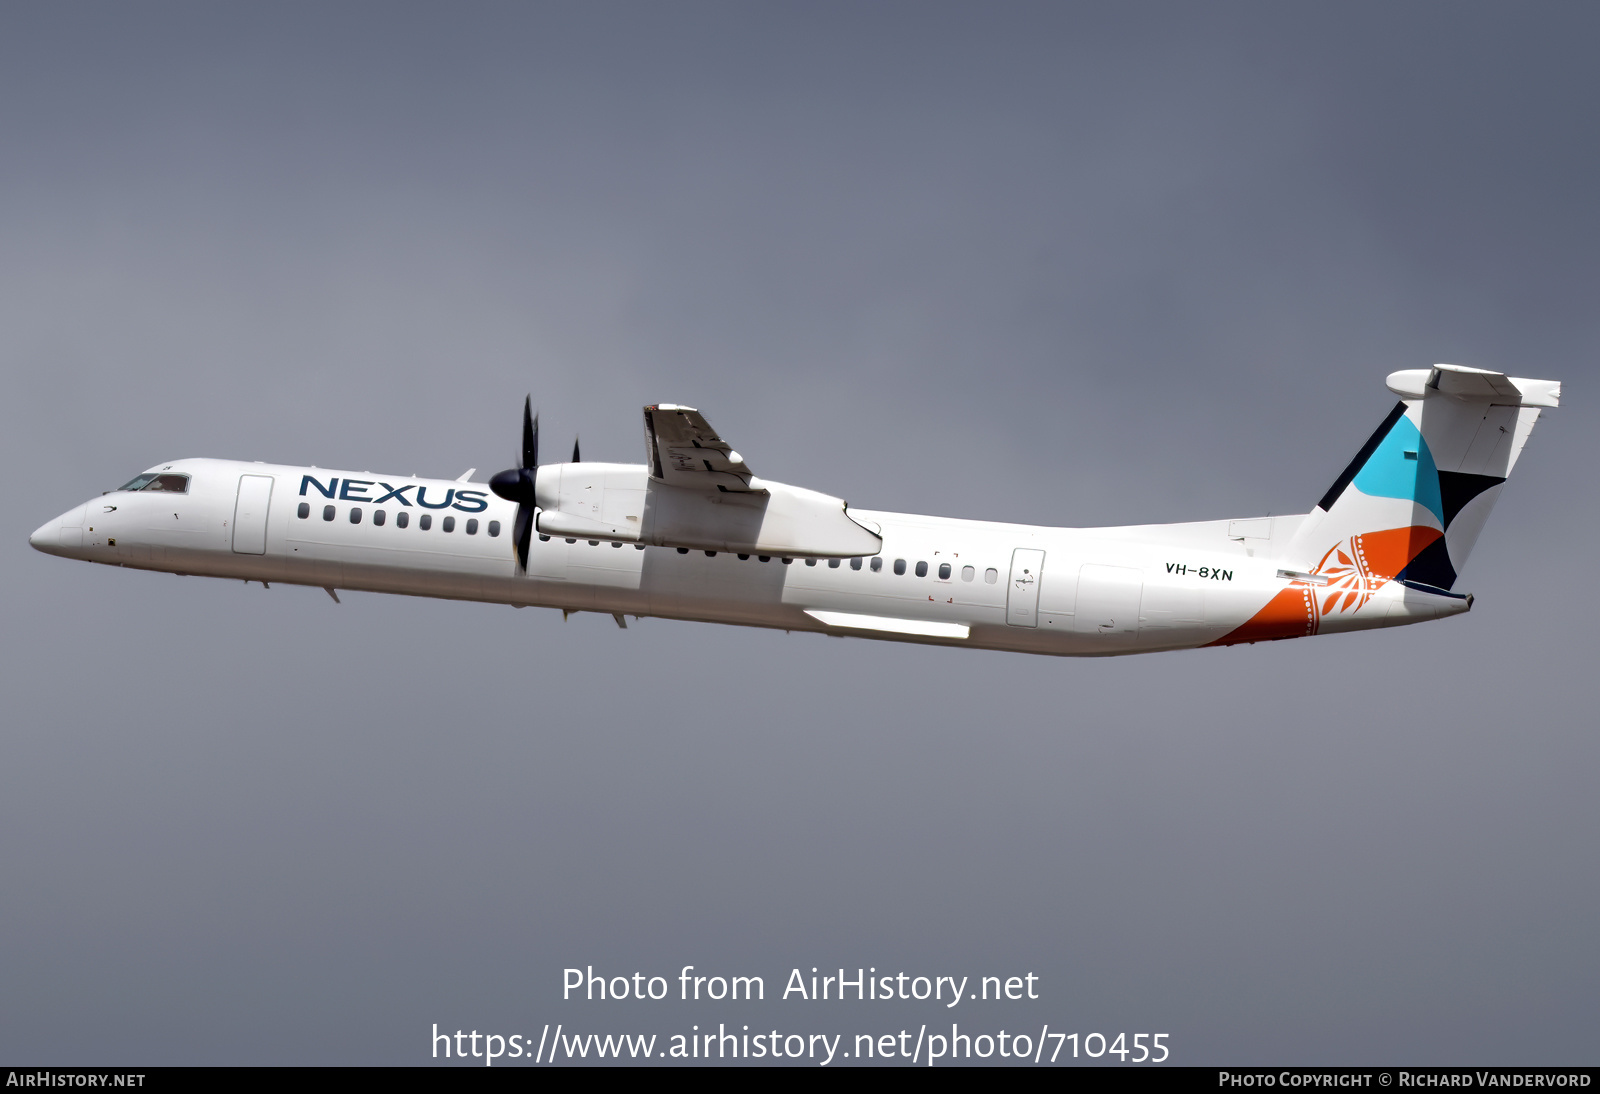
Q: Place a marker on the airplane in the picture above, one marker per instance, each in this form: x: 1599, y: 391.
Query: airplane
x: 694, y: 534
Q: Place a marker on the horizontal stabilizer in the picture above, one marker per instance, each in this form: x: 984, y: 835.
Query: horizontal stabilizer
x: 1462, y: 382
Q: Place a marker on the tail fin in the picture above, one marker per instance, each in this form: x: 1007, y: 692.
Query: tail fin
x: 1411, y: 504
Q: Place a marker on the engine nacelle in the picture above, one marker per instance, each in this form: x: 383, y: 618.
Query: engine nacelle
x: 614, y: 501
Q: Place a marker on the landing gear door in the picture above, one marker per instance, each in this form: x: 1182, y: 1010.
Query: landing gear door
x: 1022, y: 596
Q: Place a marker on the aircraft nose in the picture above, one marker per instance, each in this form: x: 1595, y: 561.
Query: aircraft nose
x: 45, y: 536
x: 55, y: 537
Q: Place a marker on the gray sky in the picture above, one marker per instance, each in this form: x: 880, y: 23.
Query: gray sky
x: 1065, y: 264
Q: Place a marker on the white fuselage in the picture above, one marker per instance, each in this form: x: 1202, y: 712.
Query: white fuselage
x: 952, y: 582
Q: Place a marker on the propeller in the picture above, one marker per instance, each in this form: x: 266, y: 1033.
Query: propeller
x: 516, y: 484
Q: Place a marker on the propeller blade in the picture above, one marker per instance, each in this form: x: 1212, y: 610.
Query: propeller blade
x: 524, y: 536
x: 574, y: 450
x: 530, y: 434
x: 517, y: 484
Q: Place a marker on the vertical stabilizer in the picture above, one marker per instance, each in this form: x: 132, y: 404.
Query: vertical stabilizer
x: 1412, y: 502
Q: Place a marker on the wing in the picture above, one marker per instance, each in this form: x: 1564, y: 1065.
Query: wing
x: 683, y: 450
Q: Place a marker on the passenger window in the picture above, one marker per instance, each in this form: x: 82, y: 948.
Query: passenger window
x: 967, y: 573
x: 833, y: 564
x: 744, y: 558
x: 472, y: 526
x: 991, y: 575
x: 922, y: 569
x: 378, y: 517
x: 877, y: 563
x: 855, y: 564
x: 944, y: 571
x: 900, y: 567
x: 764, y: 558
x: 304, y: 510
x: 402, y: 518
x: 449, y: 524
x: 425, y: 521
x: 355, y: 514
x: 327, y: 512
x: 811, y: 562
x: 494, y: 530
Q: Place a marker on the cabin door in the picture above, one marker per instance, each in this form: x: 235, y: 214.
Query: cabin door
x: 1022, y: 597
x: 250, y: 515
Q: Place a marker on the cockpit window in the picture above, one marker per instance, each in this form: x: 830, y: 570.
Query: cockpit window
x: 158, y: 483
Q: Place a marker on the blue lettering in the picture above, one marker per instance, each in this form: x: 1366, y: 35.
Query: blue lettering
x: 398, y: 493
x: 325, y: 491
x: 422, y: 498
x: 354, y: 490
x: 471, y: 501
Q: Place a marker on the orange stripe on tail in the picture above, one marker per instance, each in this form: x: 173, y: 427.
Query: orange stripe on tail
x: 1356, y: 568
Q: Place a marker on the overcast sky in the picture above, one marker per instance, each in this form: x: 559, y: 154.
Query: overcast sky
x: 1067, y: 264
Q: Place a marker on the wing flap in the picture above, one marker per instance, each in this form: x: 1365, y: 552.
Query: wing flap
x: 685, y: 451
